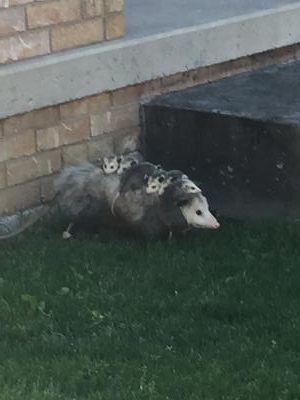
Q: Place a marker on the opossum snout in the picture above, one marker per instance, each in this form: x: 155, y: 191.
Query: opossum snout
x: 196, y: 213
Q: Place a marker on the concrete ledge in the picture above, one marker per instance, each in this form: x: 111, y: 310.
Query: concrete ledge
x: 56, y: 79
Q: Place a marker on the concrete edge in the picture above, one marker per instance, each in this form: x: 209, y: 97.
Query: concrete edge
x: 58, y: 78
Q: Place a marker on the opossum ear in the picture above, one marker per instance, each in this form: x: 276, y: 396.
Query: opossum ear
x: 161, y: 179
x: 133, y: 163
x: 119, y: 159
x: 182, y: 203
x: 159, y: 167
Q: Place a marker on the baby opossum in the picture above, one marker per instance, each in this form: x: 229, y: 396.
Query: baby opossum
x: 111, y: 164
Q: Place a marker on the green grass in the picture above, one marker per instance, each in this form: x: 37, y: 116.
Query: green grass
x: 213, y: 316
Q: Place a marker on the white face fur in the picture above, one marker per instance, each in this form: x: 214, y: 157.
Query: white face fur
x: 153, y: 185
x: 110, y: 164
x: 197, y: 214
x: 189, y: 187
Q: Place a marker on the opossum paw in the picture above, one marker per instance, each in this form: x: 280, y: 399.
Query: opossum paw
x: 66, y: 235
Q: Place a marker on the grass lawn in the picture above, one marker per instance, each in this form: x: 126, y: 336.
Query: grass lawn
x: 213, y: 316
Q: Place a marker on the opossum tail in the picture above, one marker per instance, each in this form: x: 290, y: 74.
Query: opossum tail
x: 13, y: 225
x: 112, y: 207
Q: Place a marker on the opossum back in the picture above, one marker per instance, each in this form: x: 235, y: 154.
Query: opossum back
x: 138, y: 210
x: 133, y: 179
x: 74, y: 176
x: 103, y: 188
x: 71, y: 188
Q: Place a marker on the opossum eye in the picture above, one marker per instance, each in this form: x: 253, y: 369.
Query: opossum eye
x: 199, y: 212
x: 112, y: 167
x: 105, y: 166
x: 153, y: 187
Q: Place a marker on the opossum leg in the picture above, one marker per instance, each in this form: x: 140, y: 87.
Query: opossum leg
x: 170, y: 235
x: 67, y: 233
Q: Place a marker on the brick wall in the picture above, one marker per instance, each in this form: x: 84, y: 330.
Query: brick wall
x: 30, y: 28
x: 34, y: 146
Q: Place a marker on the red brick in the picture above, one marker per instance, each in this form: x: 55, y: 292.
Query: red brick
x: 12, y: 20
x: 114, y: 26
x: 78, y: 34
x: 24, y: 45
x: 19, y: 197
x: 75, y: 154
x: 74, y: 131
x: 26, y: 169
x: 55, y: 12
x: 35, y: 119
x: 17, y: 145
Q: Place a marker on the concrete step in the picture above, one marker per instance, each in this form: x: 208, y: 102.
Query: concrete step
x: 238, y: 137
x: 163, y: 38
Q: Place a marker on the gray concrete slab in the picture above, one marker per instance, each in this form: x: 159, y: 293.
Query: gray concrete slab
x: 148, y: 17
x: 70, y: 75
x: 238, y: 137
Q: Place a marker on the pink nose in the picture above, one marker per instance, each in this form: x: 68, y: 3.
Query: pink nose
x: 216, y: 225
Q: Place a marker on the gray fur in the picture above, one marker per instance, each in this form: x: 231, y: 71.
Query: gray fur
x: 86, y: 194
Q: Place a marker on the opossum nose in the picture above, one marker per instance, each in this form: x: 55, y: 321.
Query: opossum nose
x: 216, y: 225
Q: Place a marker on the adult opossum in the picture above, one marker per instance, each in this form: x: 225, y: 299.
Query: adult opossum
x: 157, y: 212
x: 85, y: 193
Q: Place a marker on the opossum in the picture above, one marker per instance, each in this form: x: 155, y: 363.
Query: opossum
x: 128, y: 162
x: 85, y: 190
x: 85, y: 193
x: 111, y: 164
x: 154, y: 213
x: 129, y: 201
x: 193, y: 206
